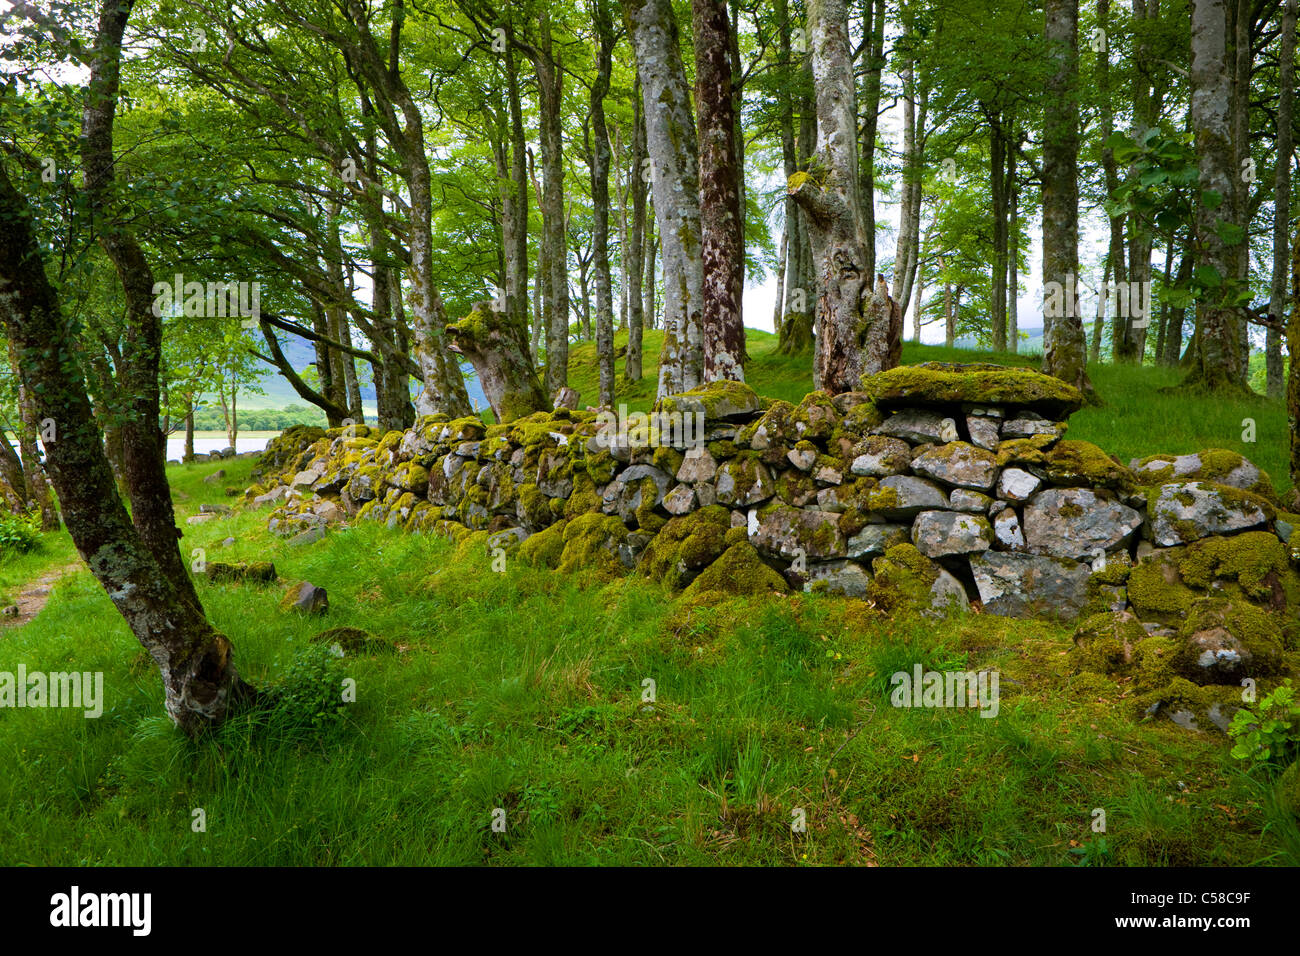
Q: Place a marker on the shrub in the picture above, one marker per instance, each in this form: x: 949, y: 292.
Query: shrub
x: 18, y: 533
x: 1268, y: 734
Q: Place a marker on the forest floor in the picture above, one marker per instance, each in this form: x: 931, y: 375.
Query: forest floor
x: 526, y: 692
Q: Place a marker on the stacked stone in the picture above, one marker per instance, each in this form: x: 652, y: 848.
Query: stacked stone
x: 936, y: 485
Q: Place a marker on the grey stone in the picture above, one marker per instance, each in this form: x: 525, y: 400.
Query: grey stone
x: 938, y: 534
x: 791, y: 533
x: 947, y: 594
x: 310, y: 536
x: 845, y: 578
x: 973, y: 502
x: 1190, y: 510
x: 1077, y: 523
x: 876, y: 539
x: 1006, y: 531
x: 681, y: 500
x: 918, y: 425
x: 1016, y: 484
x: 1027, y: 425
x: 913, y: 494
x: 305, y: 597
x: 802, y: 458
x: 983, y: 431
x: 743, y: 481
x: 959, y: 464
x: 1028, y: 585
x: 879, y: 456
x: 214, y: 509
x: 697, y: 465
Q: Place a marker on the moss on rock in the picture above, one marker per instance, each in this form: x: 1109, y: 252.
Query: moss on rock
x: 943, y: 383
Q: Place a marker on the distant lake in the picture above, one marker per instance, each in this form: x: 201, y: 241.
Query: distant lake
x: 203, y: 444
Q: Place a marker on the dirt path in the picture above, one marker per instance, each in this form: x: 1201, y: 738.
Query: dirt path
x: 34, y: 596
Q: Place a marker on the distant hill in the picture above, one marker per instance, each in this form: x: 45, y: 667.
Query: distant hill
x: 300, y: 353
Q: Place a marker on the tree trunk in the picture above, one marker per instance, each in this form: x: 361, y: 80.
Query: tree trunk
x: 1099, y: 323
x: 634, y: 256
x: 1013, y: 258
x: 200, y: 681
x: 550, y: 89
x: 873, y: 25
x: 1281, y: 200
x: 1064, y: 351
x: 600, y: 202
x: 722, y: 241
x: 674, y: 166
x: 1219, y: 325
x: 997, y: 179
x: 856, y: 332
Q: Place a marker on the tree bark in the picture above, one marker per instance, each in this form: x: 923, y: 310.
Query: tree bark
x: 1219, y: 324
x: 1281, y: 199
x: 856, y: 333
x: 722, y: 241
x: 674, y: 166
x: 873, y: 25
x: 1064, y: 353
x: 600, y: 202
x: 550, y: 89
x: 634, y: 256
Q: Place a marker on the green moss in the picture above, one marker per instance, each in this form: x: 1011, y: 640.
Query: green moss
x: 535, y: 507
x: 591, y: 545
x: 941, y: 383
x: 472, y: 545
x: 1081, y: 463
x: 723, y: 449
x: 719, y: 399
x: 685, y: 545
x: 1153, y: 662
x: 667, y: 459
x: 815, y: 417
x: 1025, y: 451
x: 1105, y: 643
x: 353, y: 640
x: 902, y: 578
x: 583, y: 498
x: 1155, y: 589
x: 739, y: 571
x: 1255, y: 629
x: 544, y: 548
x: 1256, y: 560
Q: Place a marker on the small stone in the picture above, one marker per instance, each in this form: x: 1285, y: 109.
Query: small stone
x: 1077, y: 523
x: 917, y: 426
x: 960, y: 464
x: 309, y: 536
x: 983, y: 431
x: 1026, y: 426
x: 306, y: 598
x: 697, y: 465
x: 1191, y: 510
x: 876, y: 539
x: 214, y: 509
x: 972, y: 502
x: 1016, y: 484
x: 880, y: 456
x: 681, y: 500
x: 844, y: 578
x: 802, y: 456
x: 1006, y: 530
x: 215, y: 477
x: 912, y: 496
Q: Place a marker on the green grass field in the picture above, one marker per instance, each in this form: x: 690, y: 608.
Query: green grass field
x: 526, y: 691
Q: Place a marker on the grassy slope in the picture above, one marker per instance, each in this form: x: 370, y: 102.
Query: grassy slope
x: 523, y: 690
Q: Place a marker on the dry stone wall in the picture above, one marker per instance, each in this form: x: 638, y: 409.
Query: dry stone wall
x: 937, y: 487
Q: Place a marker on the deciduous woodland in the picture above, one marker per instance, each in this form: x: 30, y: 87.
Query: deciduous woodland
x: 867, y: 258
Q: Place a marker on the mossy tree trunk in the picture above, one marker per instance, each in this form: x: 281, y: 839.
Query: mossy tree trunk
x: 634, y: 256
x: 722, y: 230
x: 496, y: 344
x: 555, y: 310
x: 851, y: 339
x: 1219, y: 333
x: 1281, y: 200
x: 1293, y: 370
x: 1065, y: 349
x: 599, y: 157
x: 674, y: 170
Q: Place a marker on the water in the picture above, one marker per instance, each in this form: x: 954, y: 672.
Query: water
x: 202, y: 445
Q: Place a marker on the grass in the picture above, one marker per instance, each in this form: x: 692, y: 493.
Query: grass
x: 528, y: 692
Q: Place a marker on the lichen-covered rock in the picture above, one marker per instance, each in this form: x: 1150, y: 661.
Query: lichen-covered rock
x: 844, y: 578
x: 591, y: 545
x: 938, y: 534
x: 1256, y: 562
x: 942, y: 383
x: 1077, y: 523
x: 305, y: 598
x: 744, y: 481
x: 876, y: 539
x: 1082, y: 464
x: 904, y: 496
x: 697, y: 465
x: 919, y: 426
x: 878, y: 456
x: 1187, y: 511
x: 723, y: 399
x: 1026, y: 425
x: 1156, y: 589
x: 1030, y: 585
x: 959, y: 464
x: 984, y: 431
x: 1006, y: 531
x: 1213, y: 464
x: 791, y: 533
x: 972, y: 502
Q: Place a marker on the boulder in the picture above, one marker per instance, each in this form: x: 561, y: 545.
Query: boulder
x: 1029, y: 585
x: 946, y: 383
x: 938, y: 534
x: 306, y: 598
x: 1189, y: 510
x: 1077, y: 523
x: 791, y: 533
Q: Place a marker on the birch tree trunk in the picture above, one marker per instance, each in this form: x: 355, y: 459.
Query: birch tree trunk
x: 674, y: 168
x: 854, y: 336
x: 722, y: 242
x: 550, y: 88
x: 600, y: 203
x: 1281, y: 200
x: 1219, y: 326
x: 634, y: 254
x: 1065, y: 353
